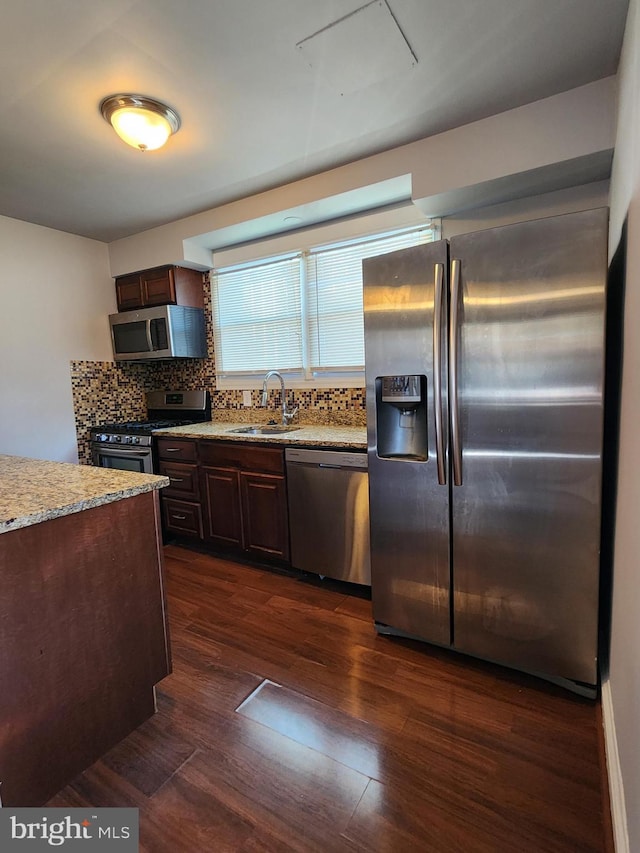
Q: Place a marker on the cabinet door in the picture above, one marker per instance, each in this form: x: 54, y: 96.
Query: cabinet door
x: 221, y: 491
x: 264, y: 514
x: 129, y: 292
x: 158, y: 287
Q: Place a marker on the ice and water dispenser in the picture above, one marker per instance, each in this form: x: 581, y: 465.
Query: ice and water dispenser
x: 401, y: 414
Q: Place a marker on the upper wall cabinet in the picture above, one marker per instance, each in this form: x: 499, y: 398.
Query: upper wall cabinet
x: 167, y: 285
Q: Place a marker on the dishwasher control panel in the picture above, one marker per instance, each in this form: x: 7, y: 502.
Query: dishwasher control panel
x: 326, y: 458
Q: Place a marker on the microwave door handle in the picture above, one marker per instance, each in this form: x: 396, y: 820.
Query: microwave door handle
x: 147, y: 326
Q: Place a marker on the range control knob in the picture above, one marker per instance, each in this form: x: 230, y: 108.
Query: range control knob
x: 136, y: 439
x: 103, y: 437
x: 117, y: 438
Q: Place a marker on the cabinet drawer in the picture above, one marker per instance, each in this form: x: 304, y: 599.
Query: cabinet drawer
x: 243, y: 456
x: 184, y: 480
x: 182, y: 517
x: 177, y: 450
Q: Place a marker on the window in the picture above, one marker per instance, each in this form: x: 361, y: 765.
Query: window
x: 299, y: 313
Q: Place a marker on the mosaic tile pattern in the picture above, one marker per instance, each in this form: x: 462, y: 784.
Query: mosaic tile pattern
x: 105, y: 392
x: 328, y: 405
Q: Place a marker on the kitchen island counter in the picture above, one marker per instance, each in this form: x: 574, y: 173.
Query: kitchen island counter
x: 305, y: 435
x: 83, y: 630
x: 34, y: 490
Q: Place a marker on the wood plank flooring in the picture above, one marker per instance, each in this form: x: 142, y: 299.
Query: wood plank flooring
x: 289, y: 725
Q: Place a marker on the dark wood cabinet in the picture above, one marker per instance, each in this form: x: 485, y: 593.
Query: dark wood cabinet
x: 181, y: 509
x: 177, y: 450
x: 264, y: 514
x: 183, y: 478
x: 221, y: 487
x: 129, y: 292
x: 227, y: 494
x: 246, y: 498
x: 182, y: 517
x: 167, y: 285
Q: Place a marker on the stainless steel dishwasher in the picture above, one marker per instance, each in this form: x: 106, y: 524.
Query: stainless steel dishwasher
x: 329, y: 513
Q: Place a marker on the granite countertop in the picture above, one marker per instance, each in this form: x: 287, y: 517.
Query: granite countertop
x: 33, y: 490
x: 307, y: 435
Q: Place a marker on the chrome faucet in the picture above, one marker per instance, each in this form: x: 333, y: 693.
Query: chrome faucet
x: 287, y: 414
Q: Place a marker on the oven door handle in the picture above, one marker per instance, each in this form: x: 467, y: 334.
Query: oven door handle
x: 120, y: 451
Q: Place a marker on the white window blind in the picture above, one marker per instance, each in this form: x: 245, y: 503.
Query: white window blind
x: 257, y: 317
x: 300, y: 313
x: 334, y: 296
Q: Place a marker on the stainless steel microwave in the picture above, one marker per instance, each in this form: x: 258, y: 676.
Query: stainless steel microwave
x: 168, y: 331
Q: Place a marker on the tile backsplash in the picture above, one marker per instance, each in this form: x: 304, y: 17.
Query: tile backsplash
x: 105, y: 391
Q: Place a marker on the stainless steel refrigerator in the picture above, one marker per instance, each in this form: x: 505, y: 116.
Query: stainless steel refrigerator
x: 484, y: 371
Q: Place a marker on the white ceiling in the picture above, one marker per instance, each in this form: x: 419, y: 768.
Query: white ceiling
x: 261, y: 102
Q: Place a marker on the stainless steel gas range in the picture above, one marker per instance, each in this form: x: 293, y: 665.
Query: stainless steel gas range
x: 129, y: 445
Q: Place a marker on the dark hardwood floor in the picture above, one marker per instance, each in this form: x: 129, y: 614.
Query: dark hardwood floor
x: 287, y: 724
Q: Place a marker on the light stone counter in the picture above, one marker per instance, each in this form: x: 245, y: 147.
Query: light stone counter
x: 308, y: 435
x: 33, y: 490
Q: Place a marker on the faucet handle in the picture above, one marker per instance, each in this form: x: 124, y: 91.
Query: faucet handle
x: 289, y: 414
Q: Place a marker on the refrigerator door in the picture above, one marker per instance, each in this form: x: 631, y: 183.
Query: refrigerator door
x: 526, y: 520
x: 409, y: 508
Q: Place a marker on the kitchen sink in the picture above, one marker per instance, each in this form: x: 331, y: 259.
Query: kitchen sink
x: 269, y: 429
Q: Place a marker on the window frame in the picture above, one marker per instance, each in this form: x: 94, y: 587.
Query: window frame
x: 306, y: 376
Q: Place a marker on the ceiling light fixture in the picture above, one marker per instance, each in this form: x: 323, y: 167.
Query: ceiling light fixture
x: 141, y: 122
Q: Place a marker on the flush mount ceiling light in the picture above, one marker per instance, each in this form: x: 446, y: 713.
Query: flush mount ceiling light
x: 141, y: 122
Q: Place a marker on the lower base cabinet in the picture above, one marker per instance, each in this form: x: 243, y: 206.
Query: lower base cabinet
x: 181, y: 507
x: 221, y: 490
x: 264, y: 514
x: 229, y: 495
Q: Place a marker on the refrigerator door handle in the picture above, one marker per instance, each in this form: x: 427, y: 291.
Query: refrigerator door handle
x: 437, y: 369
x: 456, y: 446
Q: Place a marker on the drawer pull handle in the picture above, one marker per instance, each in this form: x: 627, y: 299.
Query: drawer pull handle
x: 173, y: 449
x: 177, y: 479
x: 179, y: 517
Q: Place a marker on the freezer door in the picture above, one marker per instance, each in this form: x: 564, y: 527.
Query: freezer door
x: 409, y: 509
x: 526, y: 520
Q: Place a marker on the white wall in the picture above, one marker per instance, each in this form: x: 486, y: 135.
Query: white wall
x: 624, y: 676
x: 544, y: 140
x: 56, y: 292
